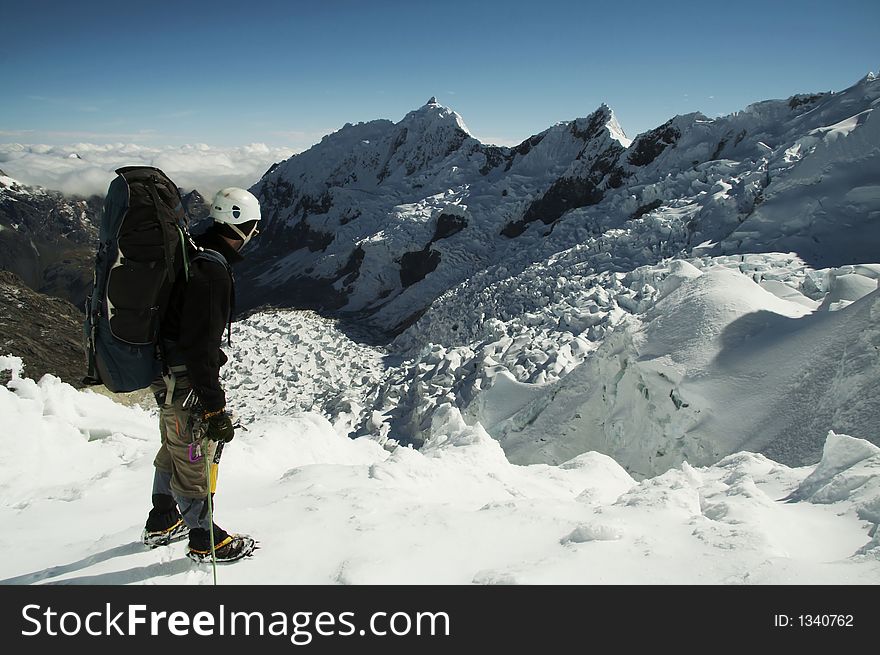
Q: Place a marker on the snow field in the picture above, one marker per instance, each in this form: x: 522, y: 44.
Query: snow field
x: 331, y: 510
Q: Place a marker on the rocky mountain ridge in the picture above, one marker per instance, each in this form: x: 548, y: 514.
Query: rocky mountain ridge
x: 381, y: 219
x: 46, y: 332
x: 48, y: 239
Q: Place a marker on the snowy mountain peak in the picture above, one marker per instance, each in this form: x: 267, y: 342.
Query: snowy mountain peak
x: 594, y: 125
x: 615, y: 129
x: 871, y: 83
x: 383, y: 219
x: 701, y: 306
x: 433, y: 116
x: 6, y: 181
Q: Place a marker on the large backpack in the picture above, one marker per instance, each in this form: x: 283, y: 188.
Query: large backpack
x: 143, y: 249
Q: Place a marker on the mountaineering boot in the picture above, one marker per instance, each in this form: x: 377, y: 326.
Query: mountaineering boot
x: 228, y: 547
x: 164, y: 523
x: 155, y: 538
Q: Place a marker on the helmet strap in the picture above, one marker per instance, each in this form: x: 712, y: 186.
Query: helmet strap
x: 244, y: 237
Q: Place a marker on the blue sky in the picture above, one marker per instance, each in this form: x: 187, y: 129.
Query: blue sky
x: 286, y: 73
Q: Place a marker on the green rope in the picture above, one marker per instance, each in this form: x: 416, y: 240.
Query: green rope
x: 183, y: 242
x: 205, y: 444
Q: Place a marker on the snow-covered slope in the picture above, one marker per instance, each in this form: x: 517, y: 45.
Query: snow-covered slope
x: 457, y: 512
x: 823, y: 194
x: 287, y: 362
x: 380, y: 219
x: 774, y: 204
x: 684, y: 360
x: 717, y: 366
x: 614, y: 358
x: 383, y: 217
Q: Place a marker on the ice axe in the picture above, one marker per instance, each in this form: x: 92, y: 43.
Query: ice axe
x: 197, y: 448
x: 215, y: 460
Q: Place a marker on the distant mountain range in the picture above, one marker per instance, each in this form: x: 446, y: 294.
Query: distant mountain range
x: 530, y: 286
x: 48, y: 239
x: 47, y: 255
x: 380, y: 219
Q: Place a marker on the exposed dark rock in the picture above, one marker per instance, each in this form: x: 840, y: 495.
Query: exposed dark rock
x: 197, y: 208
x: 302, y: 292
x: 524, y: 148
x: 594, y: 127
x: 45, y: 332
x: 303, y: 236
x: 70, y: 276
x: 606, y: 167
x: 457, y: 140
x: 569, y: 193
x: 311, y: 206
x: 48, y: 240
x: 718, y: 149
x: 49, y: 216
x: 514, y: 229
x: 348, y: 218
x: 414, y: 266
x: 278, y: 193
x: 408, y: 322
x: 648, y: 146
x: 644, y: 209
x: 352, y: 269
x: 495, y: 156
x: 804, y: 99
x: 447, y: 225
x: 565, y: 194
x: 399, y: 140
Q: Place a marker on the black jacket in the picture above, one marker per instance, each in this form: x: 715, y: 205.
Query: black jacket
x: 198, y: 313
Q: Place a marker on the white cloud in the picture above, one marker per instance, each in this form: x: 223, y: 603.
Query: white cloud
x: 198, y: 166
x: 18, y: 134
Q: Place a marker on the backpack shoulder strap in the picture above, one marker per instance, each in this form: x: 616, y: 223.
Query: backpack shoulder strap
x: 213, y: 256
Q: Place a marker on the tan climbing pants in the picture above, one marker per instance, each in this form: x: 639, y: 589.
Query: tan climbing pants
x: 181, y: 452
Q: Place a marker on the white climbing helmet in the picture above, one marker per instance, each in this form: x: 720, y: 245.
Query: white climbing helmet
x: 236, y: 207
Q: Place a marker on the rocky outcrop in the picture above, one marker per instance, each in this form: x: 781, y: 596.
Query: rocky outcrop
x: 197, y: 210
x: 448, y: 225
x: 45, y: 332
x: 340, y: 208
x: 595, y: 169
x: 381, y: 219
x: 414, y: 266
x: 47, y: 239
x: 648, y: 146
